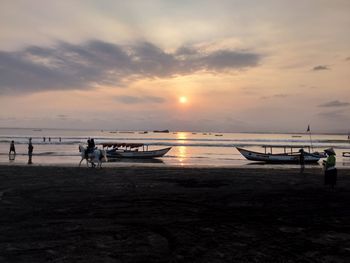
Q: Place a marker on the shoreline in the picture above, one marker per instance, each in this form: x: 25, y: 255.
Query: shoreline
x: 160, y: 165
x: 172, y: 214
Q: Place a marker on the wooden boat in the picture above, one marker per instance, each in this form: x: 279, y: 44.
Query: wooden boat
x: 133, y: 150
x: 346, y: 154
x: 287, y: 156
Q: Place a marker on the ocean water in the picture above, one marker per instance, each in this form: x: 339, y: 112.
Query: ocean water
x: 188, y: 149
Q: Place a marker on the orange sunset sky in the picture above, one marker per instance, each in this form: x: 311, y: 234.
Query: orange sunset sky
x: 225, y: 66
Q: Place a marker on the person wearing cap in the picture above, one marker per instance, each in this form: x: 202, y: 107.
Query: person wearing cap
x: 330, y: 174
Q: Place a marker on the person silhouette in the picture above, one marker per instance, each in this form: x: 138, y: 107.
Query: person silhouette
x: 12, y: 147
x: 302, y: 160
x: 330, y: 173
x: 30, y: 151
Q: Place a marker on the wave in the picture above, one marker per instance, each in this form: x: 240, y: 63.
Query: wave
x: 323, y: 144
x: 177, y: 142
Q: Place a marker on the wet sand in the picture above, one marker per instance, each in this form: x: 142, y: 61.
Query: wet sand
x: 163, y: 214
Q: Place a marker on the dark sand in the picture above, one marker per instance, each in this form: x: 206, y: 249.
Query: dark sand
x: 66, y: 214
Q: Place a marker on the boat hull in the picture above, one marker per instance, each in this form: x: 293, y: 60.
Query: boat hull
x: 278, y: 158
x: 138, y: 154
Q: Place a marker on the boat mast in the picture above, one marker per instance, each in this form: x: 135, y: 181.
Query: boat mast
x: 309, y: 131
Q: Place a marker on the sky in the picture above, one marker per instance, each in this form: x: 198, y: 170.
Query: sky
x: 243, y: 66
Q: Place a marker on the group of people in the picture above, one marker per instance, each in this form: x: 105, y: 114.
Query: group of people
x: 330, y: 172
x: 12, y: 152
x: 49, y: 139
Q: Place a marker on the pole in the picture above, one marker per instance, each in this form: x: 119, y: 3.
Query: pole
x: 309, y: 130
x: 312, y: 148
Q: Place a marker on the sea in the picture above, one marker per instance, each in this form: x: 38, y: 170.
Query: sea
x: 192, y: 149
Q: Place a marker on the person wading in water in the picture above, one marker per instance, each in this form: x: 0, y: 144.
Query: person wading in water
x: 30, y: 151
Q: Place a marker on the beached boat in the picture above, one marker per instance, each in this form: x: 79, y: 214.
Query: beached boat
x: 133, y: 150
x: 289, y: 154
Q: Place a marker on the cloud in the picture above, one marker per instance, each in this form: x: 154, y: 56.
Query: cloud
x: 337, y: 115
x: 136, y: 100
x: 334, y: 103
x: 93, y: 63
x: 275, y: 96
x: 321, y: 67
x: 62, y: 116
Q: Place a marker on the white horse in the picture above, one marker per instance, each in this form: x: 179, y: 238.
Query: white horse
x: 96, y: 156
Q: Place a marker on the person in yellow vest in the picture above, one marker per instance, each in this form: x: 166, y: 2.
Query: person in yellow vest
x: 330, y: 173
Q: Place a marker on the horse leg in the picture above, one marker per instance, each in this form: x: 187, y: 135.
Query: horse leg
x: 81, y: 161
x: 92, y: 163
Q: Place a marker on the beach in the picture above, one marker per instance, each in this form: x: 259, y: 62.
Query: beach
x: 172, y: 214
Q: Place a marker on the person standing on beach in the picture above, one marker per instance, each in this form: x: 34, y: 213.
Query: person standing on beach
x: 330, y: 173
x: 302, y: 160
x: 30, y: 151
x: 12, y: 148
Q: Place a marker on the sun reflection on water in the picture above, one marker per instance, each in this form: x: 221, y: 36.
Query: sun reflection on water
x: 182, y: 137
x: 182, y: 154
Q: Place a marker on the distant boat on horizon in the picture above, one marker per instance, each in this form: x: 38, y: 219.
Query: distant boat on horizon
x: 161, y: 131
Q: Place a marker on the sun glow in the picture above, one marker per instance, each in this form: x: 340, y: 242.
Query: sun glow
x: 183, y: 99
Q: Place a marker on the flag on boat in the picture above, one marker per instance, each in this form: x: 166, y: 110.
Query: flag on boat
x: 308, y: 128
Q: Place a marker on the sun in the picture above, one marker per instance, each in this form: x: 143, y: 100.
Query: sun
x: 183, y: 99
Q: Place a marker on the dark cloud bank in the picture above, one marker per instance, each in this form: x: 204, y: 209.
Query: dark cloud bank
x: 321, y: 67
x: 136, y: 100
x: 335, y: 103
x: 68, y: 66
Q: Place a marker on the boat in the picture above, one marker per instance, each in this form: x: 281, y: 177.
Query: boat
x: 133, y: 150
x: 161, y: 131
x: 346, y: 154
x: 289, y: 154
